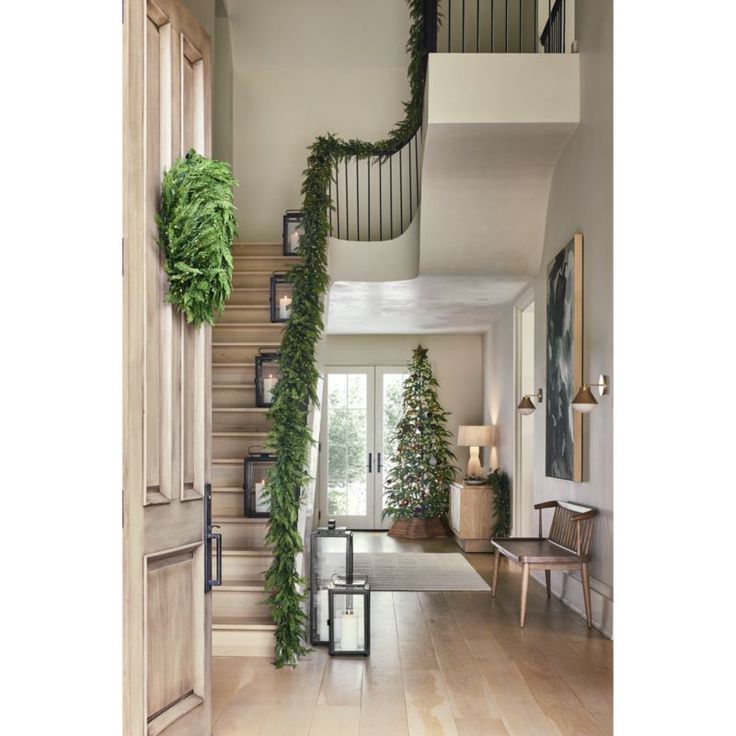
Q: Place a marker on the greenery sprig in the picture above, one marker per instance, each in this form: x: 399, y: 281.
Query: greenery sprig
x: 196, y: 227
x: 501, y: 485
x: 290, y: 436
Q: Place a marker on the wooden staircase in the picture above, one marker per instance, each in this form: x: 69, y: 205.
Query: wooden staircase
x: 241, y: 622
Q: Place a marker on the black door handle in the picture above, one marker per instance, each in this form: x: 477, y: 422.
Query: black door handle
x: 379, y: 464
x: 218, y: 556
x: 370, y: 462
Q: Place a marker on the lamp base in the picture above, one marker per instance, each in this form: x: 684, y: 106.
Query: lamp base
x: 474, y: 469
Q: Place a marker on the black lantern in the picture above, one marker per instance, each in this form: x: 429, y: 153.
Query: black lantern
x: 268, y: 374
x: 350, y: 617
x: 281, y: 295
x: 293, y: 231
x: 256, y: 467
x: 331, y: 552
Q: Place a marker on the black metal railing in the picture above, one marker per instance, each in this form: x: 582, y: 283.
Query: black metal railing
x: 553, y: 35
x: 489, y: 26
x: 375, y: 198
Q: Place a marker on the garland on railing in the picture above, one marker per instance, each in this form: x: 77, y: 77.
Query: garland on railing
x: 290, y: 436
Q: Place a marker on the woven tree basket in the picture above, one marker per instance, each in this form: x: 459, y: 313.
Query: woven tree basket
x: 419, y: 528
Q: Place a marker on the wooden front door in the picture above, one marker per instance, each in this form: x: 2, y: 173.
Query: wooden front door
x: 166, y: 375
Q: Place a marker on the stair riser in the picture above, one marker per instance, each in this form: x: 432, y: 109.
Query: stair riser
x: 229, y: 398
x: 227, y: 503
x: 245, y: 567
x: 243, y: 534
x: 259, y: 297
x: 242, y: 643
x: 239, y: 313
x: 230, y: 476
x: 251, y: 280
x: 238, y: 353
x: 229, y: 374
x: 239, y: 421
x: 258, y: 249
x: 227, y: 448
x: 269, y: 333
x: 273, y: 262
x: 239, y: 603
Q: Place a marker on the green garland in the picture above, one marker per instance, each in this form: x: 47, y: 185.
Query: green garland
x: 501, y: 485
x: 196, y: 227
x: 290, y: 436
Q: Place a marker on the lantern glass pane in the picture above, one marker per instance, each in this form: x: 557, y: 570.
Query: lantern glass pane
x: 284, y: 295
x: 256, y: 504
x: 348, y: 622
x: 294, y: 232
x: 331, y: 553
x: 268, y: 374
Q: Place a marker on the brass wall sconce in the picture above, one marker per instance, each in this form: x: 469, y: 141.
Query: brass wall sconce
x: 584, y: 400
x: 526, y: 405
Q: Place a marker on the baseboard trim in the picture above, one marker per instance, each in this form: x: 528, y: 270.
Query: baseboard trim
x: 568, y: 589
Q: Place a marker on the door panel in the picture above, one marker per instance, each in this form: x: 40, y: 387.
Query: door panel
x: 363, y: 404
x: 166, y: 388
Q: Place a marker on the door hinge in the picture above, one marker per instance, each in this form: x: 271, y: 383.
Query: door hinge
x: 319, y: 515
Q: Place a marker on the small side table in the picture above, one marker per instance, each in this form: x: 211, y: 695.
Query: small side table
x: 472, y: 516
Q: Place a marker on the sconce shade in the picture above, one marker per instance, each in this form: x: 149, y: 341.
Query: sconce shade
x: 475, y: 436
x: 526, y: 406
x: 584, y: 400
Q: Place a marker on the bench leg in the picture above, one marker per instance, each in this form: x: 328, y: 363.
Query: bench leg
x: 495, y: 573
x: 547, y: 576
x: 524, y: 591
x: 585, y: 574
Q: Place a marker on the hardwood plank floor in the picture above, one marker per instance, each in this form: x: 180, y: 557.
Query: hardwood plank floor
x: 441, y: 664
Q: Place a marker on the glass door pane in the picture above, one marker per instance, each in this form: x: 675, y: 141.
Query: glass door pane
x: 349, y: 482
x: 389, y: 390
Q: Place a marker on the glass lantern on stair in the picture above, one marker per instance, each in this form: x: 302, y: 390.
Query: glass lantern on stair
x: 330, y: 553
x: 350, y: 617
x: 268, y: 374
x: 282, y: 291
x: 256, y: 467
x: 293, y: 231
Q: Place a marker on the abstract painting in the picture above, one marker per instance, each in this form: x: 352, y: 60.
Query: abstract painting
x: 564, y: 450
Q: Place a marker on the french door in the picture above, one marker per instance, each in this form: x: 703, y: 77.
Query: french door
x: 361, y: 407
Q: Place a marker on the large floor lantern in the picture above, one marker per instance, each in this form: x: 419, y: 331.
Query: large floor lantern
x: 257, y: 465
x: 268, y: 374
x: 350, y: 617
x: 282, y: 293
x: 293, y: 231
x: 331, y: 553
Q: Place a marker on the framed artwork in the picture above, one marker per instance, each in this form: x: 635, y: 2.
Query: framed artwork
x: 564, y: 427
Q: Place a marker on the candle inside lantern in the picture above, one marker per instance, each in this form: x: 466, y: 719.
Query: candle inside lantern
x: 269, y: 384
x: 349, y: 631
x: 261, y: 503
x: 285, y: 307
x: 294, y: 240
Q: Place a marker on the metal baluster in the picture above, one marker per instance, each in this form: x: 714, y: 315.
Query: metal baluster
x: 391, y: 191
x: 369, y: 197
x: 477, y: 26
x: 506, y: 29
x: 380, y: 198
x: 449, y: 26
x: 562, y: 18
x: 347, y: 202
x: 548, y: 45
x: 521, y: 26
x: 401, y: 191
x: 411, y: 195
x: 329, y: 206
x: 357, y: 197
x: 416, y: 158
x: 493, y: 13
x: 536, y: 26
x: 462, y: 35
x: 337, y: 198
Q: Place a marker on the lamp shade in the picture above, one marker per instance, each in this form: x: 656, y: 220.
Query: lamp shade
x: 475, y: 436
x: 584, y: 401
x: 526, y: 406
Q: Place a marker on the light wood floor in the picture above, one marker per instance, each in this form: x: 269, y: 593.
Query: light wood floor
x: 441, y: 664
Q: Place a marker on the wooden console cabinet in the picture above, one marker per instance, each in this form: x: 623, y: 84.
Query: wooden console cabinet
x: 472, y: 516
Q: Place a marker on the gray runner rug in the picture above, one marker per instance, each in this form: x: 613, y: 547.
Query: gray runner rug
x: 417, y: 571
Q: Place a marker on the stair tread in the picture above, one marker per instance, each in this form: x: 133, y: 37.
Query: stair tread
x: 250, y: 288
x: 257, y: 409
x: 227, y: 489
x: 247, y: 551
x: 245, y: 325
x: 243, y: 622
x: 228, y: 460
x: 253, y: 344
x: 234, y: 385
x: 223, y: 519
x: 215, y: 364
x: 274, y: 258
x: 245, y: 586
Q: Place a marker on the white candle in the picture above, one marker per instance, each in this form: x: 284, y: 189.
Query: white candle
x: 268, y: 386
x: 294, y: 240
x: 261, y: 503
x: 348, y: 631
x: 285, y: 307
x: 323, y: 614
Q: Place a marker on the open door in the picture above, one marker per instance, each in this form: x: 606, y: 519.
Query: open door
x: 166, y: 375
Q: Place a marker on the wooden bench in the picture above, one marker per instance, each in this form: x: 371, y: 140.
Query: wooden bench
x: 566, y: 548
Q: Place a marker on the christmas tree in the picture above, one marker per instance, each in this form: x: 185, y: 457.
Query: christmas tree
x: 418, y: 483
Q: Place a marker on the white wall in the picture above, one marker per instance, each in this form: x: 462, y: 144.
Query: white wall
x: 456, y: 361
x: 580, y: 201
x: 303, y: 68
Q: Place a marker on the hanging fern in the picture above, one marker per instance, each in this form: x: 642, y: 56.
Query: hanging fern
x: 290, y: 436
x: 196, y: 228
x: 501, y: 485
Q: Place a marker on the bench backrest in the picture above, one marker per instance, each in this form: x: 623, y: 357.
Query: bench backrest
x: 573, y: 535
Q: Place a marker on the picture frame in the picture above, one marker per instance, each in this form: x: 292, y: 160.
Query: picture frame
x: 564, y: 361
